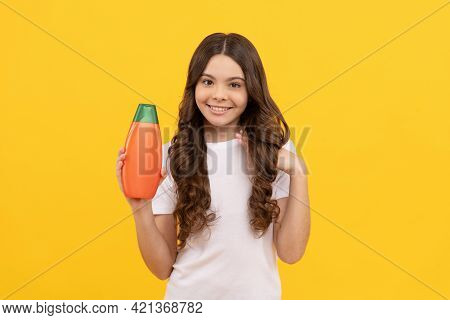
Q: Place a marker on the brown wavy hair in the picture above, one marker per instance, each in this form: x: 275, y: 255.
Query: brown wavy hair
x: 261, y: 123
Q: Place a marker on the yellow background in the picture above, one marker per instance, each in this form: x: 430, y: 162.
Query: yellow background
x: 378, y: 149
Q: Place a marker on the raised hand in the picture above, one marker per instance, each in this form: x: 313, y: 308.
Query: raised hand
x: 135, y: 204
x: 287, y: 161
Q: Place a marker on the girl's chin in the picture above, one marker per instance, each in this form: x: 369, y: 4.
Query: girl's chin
x: 220, y: 122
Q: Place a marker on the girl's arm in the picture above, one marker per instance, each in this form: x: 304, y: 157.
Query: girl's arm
x: 291, y: 232
x: 158, y: 255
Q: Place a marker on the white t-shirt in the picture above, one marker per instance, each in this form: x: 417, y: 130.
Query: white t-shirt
x: 229, y: 261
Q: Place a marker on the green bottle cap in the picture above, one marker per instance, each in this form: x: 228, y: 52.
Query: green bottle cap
x: 146, y: 113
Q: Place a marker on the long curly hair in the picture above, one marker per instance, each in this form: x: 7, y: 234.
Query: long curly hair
x: 261, y: 124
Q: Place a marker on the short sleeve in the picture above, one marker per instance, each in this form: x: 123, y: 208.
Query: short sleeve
x: 280, y: 187
x: 165, y: 198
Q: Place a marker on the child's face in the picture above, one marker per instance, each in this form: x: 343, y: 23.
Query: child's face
x: 219, y: 90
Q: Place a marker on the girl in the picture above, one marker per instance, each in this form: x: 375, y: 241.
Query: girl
x: 235, y: 195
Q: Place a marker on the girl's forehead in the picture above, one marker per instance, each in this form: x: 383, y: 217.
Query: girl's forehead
x: 222, y: 66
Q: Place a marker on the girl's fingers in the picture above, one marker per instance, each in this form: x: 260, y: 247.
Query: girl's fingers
x: 121, y: 157
x: 119, y: 165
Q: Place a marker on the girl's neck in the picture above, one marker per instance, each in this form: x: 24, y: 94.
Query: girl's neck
x: 220, y: 134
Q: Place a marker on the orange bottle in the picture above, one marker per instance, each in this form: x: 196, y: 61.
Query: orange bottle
x: 141, y: 171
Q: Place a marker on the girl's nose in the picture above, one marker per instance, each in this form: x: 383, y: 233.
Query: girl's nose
x: 219, y: 94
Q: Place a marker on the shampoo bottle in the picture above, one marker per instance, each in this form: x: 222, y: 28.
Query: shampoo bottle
x: 141, y: 171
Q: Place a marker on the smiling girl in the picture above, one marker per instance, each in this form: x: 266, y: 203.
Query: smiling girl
x: 235, y: 196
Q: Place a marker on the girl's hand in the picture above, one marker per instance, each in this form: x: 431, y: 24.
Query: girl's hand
x: 134, y: 203
x: 287, y: 161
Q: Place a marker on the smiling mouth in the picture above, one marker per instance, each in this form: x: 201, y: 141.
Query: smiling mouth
x: 218, y: 109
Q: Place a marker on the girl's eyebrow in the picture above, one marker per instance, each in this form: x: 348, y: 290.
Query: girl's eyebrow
x: 208, y: 75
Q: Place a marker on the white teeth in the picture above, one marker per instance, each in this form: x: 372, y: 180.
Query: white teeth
x: 218, y: 109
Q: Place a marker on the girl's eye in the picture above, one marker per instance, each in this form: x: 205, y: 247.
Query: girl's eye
x: 207, y: 81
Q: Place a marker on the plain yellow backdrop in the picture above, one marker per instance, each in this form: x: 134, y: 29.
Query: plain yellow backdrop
x: 366, y: 86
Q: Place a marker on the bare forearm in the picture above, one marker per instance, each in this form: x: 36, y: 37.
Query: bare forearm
x: 295, y: 228
x: 153, y: 247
